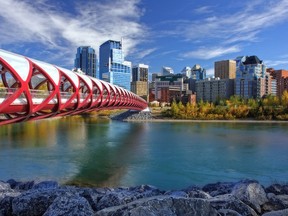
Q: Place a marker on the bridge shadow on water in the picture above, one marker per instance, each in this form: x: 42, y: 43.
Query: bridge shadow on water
x: 106, y: 160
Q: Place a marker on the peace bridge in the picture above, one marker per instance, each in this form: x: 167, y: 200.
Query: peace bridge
x: 32, y: 89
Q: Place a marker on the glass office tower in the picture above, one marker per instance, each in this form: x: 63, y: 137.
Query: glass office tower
x: 112, y: 66
x: 86, y: 60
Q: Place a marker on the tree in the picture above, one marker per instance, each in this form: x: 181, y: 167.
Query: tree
x: 284, y: 99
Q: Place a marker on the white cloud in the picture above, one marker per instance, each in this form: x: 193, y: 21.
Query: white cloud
x: 271, y: 63
x: 210, y: 72
x: 93, y: 23
x: 245, y: 24
x: 143, y: 53
x: 211, y: 52
x: 203, y: 10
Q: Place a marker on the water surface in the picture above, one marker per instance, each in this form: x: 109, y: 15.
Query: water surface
x: 168, y: 155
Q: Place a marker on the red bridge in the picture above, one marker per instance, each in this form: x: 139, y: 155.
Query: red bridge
x: 31, y: 89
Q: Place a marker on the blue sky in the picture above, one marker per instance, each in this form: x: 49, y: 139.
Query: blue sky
x: 155, y: 32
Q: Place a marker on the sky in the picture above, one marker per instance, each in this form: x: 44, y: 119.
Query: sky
x: 171, y: 33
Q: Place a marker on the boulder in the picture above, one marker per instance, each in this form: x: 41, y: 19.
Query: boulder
x: 46, y: 185
x: 283, y: 212
x: 12, y: 183
x: 228, y: 202
x: 6, y: 191
x: 6, y: 206
x: 24, y: 185
x: 218, y: 188
x: 162, y: 206
x: 92, y: 196
x: 124, y: 196
x: 34, y: 202
x: 195, y: 192
x: 4, y: 186
x: 277, y: 189
x: 275, y: 202
x: 251, y: 193
x: 69, y: 204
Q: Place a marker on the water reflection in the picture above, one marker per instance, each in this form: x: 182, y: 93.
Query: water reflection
x: 91, y: 151
x: 29, y: 134
x: 105, y: 161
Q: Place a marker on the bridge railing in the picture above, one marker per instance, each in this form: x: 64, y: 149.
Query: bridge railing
x: 39, y: 93
x: 6, y: 92
x: 65, y: 95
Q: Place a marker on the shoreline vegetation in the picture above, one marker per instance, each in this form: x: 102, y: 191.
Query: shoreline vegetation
x: 236, y: 108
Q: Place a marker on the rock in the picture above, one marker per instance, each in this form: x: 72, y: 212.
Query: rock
x: 46, y: 185
x: 69, y: 204
x: 228, y: 212
x: 12, y: 183
x: 4, y: 186
x: 6, y: 191
x: 92, y: 196
x: 251, y: 193
x: 162, y: 206
x: 229, y: 202
x: 283, y: 212
x: 277, y: 189
x: 24, y: 185
x: 176, y: 194
x: 275, y: 202
x: 195, y: 192
x: 6, y: 206
x: 132, y: 116
x: 219, y: 188
x: 124, y: 196
x: 34, y: 202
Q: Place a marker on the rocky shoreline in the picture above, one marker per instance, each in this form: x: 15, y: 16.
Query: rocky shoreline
x: 246, y: 197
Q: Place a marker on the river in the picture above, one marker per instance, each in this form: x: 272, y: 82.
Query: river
x: 168, y: 155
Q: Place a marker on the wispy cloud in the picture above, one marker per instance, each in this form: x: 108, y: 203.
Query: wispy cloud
x: 271, y: 63
x: 237, y: 25
x: 203, y: 10
x: 234, y: 28
x: 32, y: 22
x: 143, y: 53
x: 211, y: 52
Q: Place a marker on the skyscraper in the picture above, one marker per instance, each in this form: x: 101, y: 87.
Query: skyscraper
x: 113, y: 68
x: 140, y: 72
x: 86, y: 60
x: 251, y: 77
x: 139, y: 84
x: 198, y: 73
x: 167, y: 70
x: 225, y: 69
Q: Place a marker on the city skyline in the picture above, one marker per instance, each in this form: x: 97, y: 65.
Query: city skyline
x: 176, y: 35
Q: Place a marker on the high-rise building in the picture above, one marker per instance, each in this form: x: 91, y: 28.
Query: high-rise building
x: 197, y: 73
x: 187, y: 71
x: 139, y: 84
x: 225, y: 69
x: 170, y: 87
x: 86, y: 60
x: 113, y: 68
x: 167, y: 70
x: 281, y: 79
x: 212, y: 89
x: 250, y: 73
x: 140, y: 73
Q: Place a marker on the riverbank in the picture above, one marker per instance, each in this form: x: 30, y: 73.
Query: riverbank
x: 246, y: 197
x: 136, y: 116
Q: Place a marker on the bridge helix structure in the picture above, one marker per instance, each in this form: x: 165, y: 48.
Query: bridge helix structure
x: 32, y: 89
